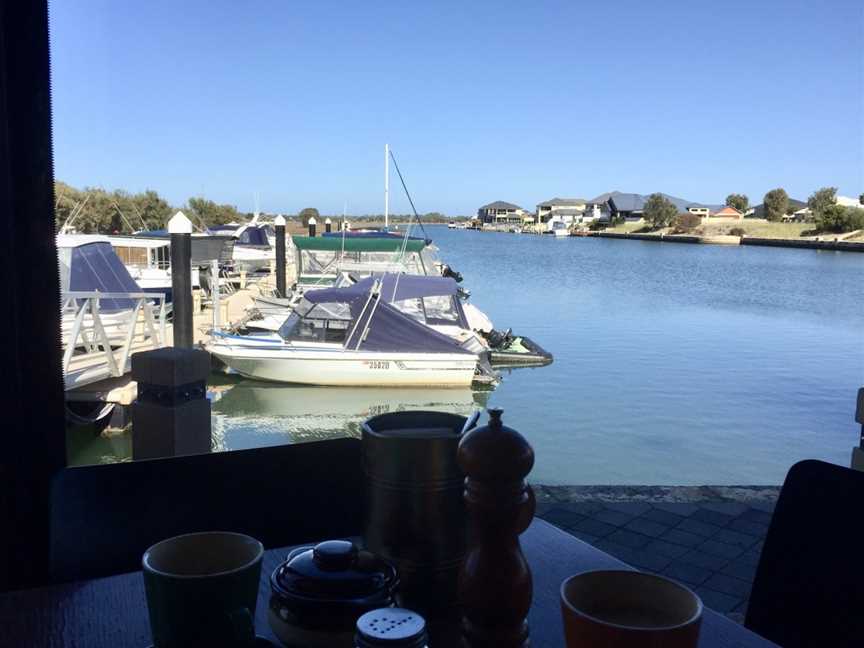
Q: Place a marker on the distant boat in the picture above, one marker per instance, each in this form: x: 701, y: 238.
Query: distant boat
x: 252, y: 249
x: 349, y: 337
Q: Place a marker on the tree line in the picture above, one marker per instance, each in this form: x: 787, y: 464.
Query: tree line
x: 96, y: 210
x: 825, y: 213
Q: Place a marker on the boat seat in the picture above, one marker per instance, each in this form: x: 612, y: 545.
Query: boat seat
x: 104, y: 517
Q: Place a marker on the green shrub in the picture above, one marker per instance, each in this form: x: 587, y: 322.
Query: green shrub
x: 837, y: 218
x: 596, y: 226
x: 685, y: 222
x: 737, y: 231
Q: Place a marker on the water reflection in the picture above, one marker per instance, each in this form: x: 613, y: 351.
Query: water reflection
x: 249, y: 414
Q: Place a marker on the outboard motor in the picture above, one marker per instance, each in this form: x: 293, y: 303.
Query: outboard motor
x: 447, y: 271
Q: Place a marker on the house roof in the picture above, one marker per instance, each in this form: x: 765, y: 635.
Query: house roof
x: 727, y: 211
x: 567, y: 202
x: 620, y: 199
x: 500, y: 204
x: 627, y: 202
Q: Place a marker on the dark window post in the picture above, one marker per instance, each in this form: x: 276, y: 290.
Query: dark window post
x: 312, y: 223
x: 32, y: 396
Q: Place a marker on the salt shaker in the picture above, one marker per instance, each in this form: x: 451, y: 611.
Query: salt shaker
x: 391, y: 628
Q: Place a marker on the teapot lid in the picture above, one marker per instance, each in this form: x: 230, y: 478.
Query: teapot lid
x: 333, y: 570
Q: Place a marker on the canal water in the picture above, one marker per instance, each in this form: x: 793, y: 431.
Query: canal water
x: 674, y: 364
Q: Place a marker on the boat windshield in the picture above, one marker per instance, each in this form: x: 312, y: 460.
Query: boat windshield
x: 325, y: 322
x: 253, y: 236
x: 434, y: 309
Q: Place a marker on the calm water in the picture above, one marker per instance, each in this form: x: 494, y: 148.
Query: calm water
x: 674, y: 364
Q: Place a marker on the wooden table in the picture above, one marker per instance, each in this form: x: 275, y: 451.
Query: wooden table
x: 112, y: 612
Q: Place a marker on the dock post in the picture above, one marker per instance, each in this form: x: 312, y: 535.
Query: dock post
x: 280, y: 255
x: 312, y: 223
x: 328, y: 225
x: 171, y: 414
x: 180, y: 229
x: 214, y: 291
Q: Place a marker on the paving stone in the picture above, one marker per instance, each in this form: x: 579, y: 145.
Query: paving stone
x: 682, y: 538
x: 744, y: 571
x: 542, y: 508
x: 726, y: 508
x: 632, y: 508
x: 764, y: 505
x: 638, y: 558
x: 750, y: 557
x: 718, y: 601
x: 678, y: 508
x: 612, y: 517
x: 743, y: 540
x: 647, y: 527
x: 648, y: 560
x: 613, y: 548
x: 699, y: 528
x: 729, y: 585
x: 747, y: 526
x: 584, y: 508
x: 663, y: 517
x: 720, y: 549
x: 586, y: 537
x: 562, y: 518
x: 628, y: 538
x: 700, y: 559
x: 594, y: 527
x: 689, y: 574
x: 711, y: 517
x: 756, y: 515
x: 666, y: 548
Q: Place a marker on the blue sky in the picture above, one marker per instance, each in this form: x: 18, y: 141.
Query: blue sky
x: 517, y: 101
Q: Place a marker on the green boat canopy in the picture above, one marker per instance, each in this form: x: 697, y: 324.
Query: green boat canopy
x: 351, y: 244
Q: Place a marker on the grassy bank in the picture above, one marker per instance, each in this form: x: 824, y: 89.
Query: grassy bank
x: 755, y: 227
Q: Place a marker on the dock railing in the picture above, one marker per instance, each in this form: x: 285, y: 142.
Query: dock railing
x: 98, y: 344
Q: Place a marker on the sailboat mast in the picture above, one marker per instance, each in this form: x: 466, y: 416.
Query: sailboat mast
x: 386, y: 186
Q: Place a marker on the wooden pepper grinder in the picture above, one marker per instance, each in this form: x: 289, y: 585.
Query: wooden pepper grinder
x: 495, y: 582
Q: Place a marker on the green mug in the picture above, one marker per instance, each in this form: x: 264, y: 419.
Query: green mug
x: 202, y: 589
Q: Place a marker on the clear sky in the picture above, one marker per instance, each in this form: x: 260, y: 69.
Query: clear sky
x: 481, y: 101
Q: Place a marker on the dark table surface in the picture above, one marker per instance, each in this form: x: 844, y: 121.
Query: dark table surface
x: 112, y: 612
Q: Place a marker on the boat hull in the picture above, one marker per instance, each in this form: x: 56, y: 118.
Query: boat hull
x: 349, y: 368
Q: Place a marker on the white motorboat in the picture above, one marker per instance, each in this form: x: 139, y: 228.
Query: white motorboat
x: 348, y: 337
x: 252, y: 250
x: 559, y: 227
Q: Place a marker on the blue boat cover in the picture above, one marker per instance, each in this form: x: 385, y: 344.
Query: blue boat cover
x: 399, y: 286
x: 254, y: 235
x: 95, y: 266
x: 389, y: 329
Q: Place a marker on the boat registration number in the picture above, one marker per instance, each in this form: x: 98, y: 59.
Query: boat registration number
x: 379, y: 364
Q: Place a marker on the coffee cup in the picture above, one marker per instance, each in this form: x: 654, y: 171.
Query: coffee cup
x: 202, y: 589
x: 629, y: 609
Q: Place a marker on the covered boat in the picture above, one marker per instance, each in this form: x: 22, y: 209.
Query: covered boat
x: 351, y: 337
x: 321, y: 260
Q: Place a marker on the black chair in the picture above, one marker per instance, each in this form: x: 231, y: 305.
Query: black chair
x: 104, y: 517
x: 809, y: 585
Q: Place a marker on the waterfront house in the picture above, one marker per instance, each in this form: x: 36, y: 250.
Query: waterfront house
x: 628, y: 206
x: 500, y: 212
x: 727, y: 213
x: 545, y: 208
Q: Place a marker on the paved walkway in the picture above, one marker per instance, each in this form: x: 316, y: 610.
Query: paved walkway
x: 711, y: 546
